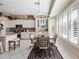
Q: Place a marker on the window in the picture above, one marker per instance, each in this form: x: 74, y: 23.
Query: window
x: 57, y: 26
x: 69, y: 25
x: 65, y: 19
x: 53, y: 26
x: 74, y: 26
x: 60, y: 26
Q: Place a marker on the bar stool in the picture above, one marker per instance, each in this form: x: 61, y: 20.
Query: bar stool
x: 15, y: 41
x: 1, y: 46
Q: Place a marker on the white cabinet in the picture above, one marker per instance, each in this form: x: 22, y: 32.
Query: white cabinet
x: 41, y: 23
x: 24, y: 23
x: 29, y: 24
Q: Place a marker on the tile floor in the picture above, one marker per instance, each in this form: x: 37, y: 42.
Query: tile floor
x: 21, y: 52
x: 67, y: 50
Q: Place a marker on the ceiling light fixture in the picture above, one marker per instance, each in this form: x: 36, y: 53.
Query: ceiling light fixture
x: 37, y: 3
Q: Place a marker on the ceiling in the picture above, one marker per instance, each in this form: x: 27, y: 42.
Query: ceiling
x: 59, y: 6
x: 25, y: 7
x: 28, y: 7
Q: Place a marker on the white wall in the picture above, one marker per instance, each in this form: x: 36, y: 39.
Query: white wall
x: 25, y: 23
x: 51, y: 27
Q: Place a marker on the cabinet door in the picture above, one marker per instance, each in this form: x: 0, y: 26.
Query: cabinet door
x: 41, y: 23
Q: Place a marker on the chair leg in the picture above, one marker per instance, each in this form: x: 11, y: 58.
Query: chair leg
x: 19, y: 42
x: 2, y: 49
x: 14, y: 45
x: 9, y: 46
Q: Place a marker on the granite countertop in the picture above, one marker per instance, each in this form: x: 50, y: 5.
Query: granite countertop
x: 11, y: 33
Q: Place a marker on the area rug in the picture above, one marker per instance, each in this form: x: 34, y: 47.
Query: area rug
x: 50, y: 53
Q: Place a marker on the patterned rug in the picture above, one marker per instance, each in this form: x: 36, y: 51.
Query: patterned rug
x: 50, y: 53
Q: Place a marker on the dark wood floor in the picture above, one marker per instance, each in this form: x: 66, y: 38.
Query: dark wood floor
x: 51, y: 53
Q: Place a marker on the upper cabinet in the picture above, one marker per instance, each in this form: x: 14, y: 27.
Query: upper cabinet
x: 24, y: 23
x: 41, y: 24
x: 21, y: 17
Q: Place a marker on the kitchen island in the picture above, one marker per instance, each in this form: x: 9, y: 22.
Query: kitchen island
x: 9, y: 38
x: 6, y: 39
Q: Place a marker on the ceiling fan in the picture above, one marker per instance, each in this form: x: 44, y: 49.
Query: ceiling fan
x: 38, y: 13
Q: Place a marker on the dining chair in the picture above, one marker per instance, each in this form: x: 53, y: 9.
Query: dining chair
x: 53, y: 40
x: 13, y: 43
x: 43, y: 42
x: 33, y: 39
